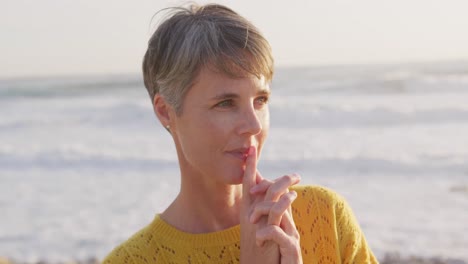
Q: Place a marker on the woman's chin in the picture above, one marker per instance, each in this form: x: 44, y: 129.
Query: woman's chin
x: 234, y: 179
x: 233, y: 174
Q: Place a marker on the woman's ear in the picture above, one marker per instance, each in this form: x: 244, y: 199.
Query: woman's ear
x: 162, y: 110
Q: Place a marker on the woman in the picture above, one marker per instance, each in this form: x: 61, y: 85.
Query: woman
x: 207, y: 71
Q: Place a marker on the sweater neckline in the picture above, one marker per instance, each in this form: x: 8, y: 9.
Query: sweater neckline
x: 170, y: 233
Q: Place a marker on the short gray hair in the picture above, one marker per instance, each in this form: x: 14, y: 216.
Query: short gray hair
x: 197, y: 36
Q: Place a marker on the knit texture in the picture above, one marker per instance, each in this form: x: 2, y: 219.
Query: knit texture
x: 328, y: 229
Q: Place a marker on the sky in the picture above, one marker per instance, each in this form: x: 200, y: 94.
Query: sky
x: 68, y: 37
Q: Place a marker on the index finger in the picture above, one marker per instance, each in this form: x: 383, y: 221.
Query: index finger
x: 250, y: 171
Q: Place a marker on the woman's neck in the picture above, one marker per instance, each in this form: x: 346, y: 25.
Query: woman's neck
x: 204, y: 208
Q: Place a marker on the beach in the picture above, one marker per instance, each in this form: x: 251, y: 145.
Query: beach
x: 387, y: 259
x: 84, y: 164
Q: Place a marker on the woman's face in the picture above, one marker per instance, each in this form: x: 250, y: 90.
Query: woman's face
x: 221, y: 118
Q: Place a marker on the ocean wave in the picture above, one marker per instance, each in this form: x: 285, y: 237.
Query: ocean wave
x: 364, y: 165
x: 69, y: 86
x: 16, y: 163
x: 325, y: 117
x: 374, y: 79
x: 346, y: 79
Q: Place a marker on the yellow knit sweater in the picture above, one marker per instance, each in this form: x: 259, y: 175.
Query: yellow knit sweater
x: 328, y: 229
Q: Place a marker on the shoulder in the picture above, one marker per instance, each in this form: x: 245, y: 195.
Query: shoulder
x: 319, y: 195
x: 325, y: 212
x: 322, y: 205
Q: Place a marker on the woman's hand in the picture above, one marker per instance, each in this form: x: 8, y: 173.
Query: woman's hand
x: 266, y: 219
x: 250, y: 252
x: 276, y: 206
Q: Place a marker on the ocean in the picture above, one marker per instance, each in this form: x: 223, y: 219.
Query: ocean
x: 84, y: 163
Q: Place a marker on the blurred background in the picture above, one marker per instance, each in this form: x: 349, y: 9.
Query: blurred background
x: 370, y: 98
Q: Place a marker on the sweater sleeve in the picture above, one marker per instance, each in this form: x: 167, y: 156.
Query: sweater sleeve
x: 352, y: 242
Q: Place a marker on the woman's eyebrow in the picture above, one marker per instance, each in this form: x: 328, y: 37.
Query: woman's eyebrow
x: 225, y: 96
x: 264, y: 92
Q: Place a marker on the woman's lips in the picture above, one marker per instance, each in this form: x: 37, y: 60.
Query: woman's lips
x: 240, y: 153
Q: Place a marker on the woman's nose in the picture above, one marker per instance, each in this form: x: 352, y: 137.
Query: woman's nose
x: 251, y: 121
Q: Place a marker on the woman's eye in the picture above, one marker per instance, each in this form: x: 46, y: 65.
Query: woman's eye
x: 225, y: 103
x: 262, y: 100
